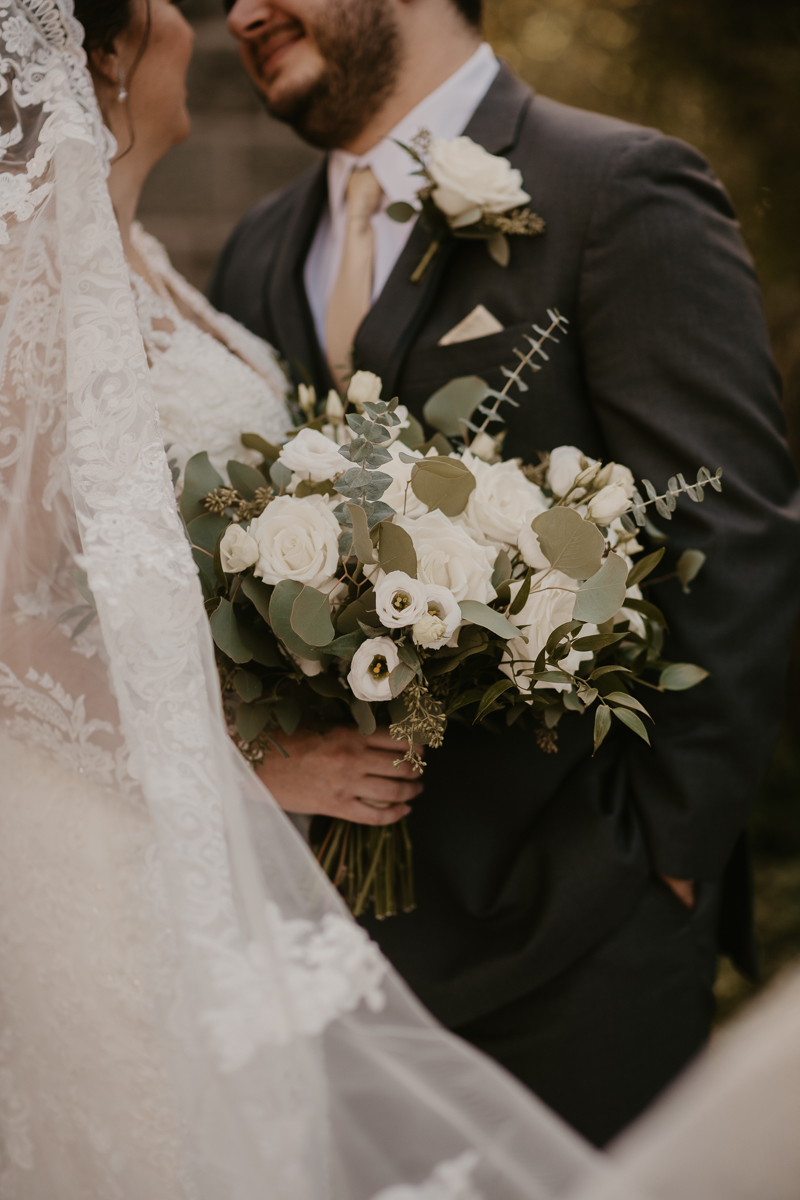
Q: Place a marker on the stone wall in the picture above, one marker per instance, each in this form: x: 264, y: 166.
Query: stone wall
x: 235, y: 154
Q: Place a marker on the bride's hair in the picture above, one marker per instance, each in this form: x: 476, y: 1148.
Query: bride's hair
x: 103, y: 21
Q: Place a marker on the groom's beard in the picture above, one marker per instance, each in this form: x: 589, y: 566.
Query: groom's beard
x: 360, y: 43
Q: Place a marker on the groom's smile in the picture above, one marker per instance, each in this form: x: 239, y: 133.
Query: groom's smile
x: 314, y: 61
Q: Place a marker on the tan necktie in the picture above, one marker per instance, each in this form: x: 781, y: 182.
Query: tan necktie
x: 352, y: 291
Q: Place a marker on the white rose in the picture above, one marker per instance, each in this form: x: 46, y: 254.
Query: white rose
x: 307, y: 399
x: 531, y: 550
x: 565, y: 463
x: 502, y: 503
x: 616, y: 473
x: 365, y: 388
x: 297, y: 539
x: 334, y: 409
x: 442, y: 618
x: 543, y: 612
x: 400, y: 495
x: 609, y: 503
x: 371, y: 666
x: 399, y: 600
x: 237, y: 550
x: 471, y: 181
x: 450, y: 558
x: 310, y: 455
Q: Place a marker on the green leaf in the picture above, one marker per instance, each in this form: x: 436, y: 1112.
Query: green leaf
x: 261, y: 642
x: 364, y: 717
x: 551, y: 677
x: 248, y: 685
x: 280, y: 618
x: 487, y: 618
x: 400, y: 678
x: 572, y: 701
x: 521, y: 598
x: 438, y: 442
x: 560, y: 632
x: 677, y: 677
x: 602, y: 724
x: 258, y: 592
x: 251, y: 719
x: 465, y: 698
x: 570, y: 544
x: 499, y: 249
x: 627, y: 701
x: 81, y: 581
x: 311, y: 617
x: 84, y: 623
x: 199, y: 478
x: 305, y: 487
x: 491, y: 695
x: 444, y: 483
x: 413, y: 434
x: 254, y: 441
x: 362, y: 542
x: 396, y: 550
x: 632, y: 721
x: 225, y: 632
x: 401, y: 211
x: 205, y: 531
x: 454, y: 403
x: 647, y: 610
x: 502, y: 569
x: 598, y: 672
x: 245, y: 479
x: 644, y: 566
x: 601, y: 596
x: 288, y: 713
x: 328, y: 686
x: 344, y: 646
x: 688, y: 567
x: 597, y: 641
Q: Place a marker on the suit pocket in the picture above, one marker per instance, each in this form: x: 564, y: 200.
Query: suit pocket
x: 437, y: 365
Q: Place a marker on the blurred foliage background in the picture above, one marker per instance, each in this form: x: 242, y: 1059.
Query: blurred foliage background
x: 721, y: 74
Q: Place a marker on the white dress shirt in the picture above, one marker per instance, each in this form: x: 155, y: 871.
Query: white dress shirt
x: 446, y: 112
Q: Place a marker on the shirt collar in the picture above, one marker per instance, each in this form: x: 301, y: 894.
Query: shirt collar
x: 445, y: 113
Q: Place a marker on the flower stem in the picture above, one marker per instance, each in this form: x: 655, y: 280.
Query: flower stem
x: 426, y: 260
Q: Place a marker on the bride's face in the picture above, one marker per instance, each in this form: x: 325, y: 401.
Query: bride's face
x: 151, y: 61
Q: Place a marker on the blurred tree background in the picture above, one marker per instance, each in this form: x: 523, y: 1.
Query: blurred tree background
x: 721, y: 74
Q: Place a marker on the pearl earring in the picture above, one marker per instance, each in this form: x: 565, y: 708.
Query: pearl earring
x: 122, y: 94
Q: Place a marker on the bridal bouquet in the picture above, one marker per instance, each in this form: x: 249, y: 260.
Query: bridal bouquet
x: 353, y: 577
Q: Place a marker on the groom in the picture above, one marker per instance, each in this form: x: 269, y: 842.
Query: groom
x: 570, y: 908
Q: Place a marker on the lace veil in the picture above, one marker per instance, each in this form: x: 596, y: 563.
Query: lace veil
x: 302, y: 1068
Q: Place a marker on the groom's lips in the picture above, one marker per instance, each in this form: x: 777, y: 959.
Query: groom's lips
x: 269, y: 52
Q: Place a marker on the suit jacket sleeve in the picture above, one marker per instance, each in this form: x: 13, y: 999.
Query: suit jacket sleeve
x: 679, y: 371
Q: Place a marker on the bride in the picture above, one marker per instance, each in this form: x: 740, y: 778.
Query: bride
x: 186, y: 1009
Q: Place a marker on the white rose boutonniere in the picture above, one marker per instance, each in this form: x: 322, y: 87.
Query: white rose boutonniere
x: 467, y: 193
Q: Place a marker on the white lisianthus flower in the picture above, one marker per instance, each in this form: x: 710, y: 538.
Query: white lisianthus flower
x: 399, y: 600
x: 450, y: 558
x: 297, y: 539
x: 609, y: 503
x: 371, y: 666
x: 400, y: 495
x: 441, y: 619
x: 312, y: 456
x: 470, y: 181
x: 237, y: 550
x: 565, y: 463
x: 309, y: 666
x: 365, y: 388
x: 543, y: 612
x: 616, y: 473
x: 502, y: 503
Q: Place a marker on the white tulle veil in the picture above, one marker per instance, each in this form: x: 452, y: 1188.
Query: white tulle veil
x: 302, y: 1068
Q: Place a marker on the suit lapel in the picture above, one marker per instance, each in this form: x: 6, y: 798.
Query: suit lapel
x: 388, y: 330
x: 286, y: 299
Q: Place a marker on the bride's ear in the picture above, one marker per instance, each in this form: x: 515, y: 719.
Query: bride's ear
x: 107, y: 75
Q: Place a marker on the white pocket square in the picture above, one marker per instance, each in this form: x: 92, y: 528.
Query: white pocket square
x: 477, y: 324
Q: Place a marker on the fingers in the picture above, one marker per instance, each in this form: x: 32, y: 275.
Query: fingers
x: 363, y: 814
x: 386, y: 791
x: 378, y: 762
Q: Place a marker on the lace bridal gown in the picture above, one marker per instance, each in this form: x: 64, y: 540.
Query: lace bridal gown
x: 187, y: 1011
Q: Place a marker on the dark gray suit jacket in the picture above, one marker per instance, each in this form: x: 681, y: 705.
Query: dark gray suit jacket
x: 526, y: 860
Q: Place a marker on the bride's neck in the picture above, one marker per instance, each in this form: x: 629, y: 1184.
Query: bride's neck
x: 125, y: 182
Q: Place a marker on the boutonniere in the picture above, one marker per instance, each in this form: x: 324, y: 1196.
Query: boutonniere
x: 467, y: 193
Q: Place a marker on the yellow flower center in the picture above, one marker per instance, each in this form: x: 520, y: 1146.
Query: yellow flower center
x: 400, y: 601
x: 379, y: 668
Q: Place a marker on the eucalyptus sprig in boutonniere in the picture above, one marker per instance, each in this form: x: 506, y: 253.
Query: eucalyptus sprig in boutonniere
x: 467, y: 193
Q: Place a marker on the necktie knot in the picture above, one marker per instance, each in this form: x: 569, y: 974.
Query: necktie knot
x: 363, y: 195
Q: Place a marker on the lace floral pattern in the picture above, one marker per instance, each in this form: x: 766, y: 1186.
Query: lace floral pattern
x: 450, y: 1180
x: 326, y: 969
